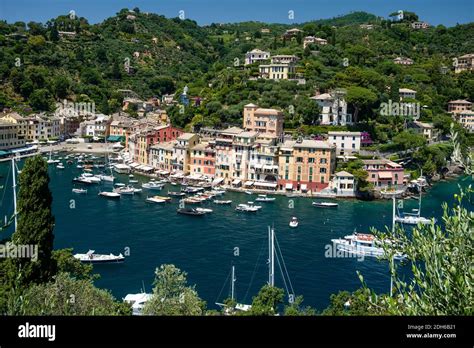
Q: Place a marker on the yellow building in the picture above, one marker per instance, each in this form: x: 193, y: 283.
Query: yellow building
x: 306, y: 165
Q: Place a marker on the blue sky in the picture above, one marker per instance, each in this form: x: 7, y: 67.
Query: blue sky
x: 447, y: 12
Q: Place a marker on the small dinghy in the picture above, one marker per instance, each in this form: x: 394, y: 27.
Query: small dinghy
x: 294, y: 222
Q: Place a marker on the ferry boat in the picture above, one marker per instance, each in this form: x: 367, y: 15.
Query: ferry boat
x: 90, y: 257
x: 79, y: 190
x: 264, y: 198
x: 113, y: 195
x: 363, y: 244
x: 294, y: 222
x: 325, y: 205
x: 137, y: 301
x: 190, y: 211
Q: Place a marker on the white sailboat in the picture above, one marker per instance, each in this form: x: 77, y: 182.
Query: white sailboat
x: 415, y: 217
x: 238, y: 306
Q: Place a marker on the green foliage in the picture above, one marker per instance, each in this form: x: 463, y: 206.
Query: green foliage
x: 267, y: 301
x: 35, y: 222
x: 67, y: 296
x: 172, y: 295
x: 441, y: 258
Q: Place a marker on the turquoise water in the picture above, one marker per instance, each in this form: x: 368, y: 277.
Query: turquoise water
x: 204, y: 247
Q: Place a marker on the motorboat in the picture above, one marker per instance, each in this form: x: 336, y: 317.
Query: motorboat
x: 107, y: 178
x: 192, y: 200
x: 152, y: 186
x: 155, y: 200
x: 364, y: 245
x: 204, y: 210
x: 325, y: 204
x: 90, y: 257
x: 190, y: 211
x: 217, y: 192
x: 133, y: 181
x: 176, y: 194
x: 125, y: 190
x: 137, y: 190
x: 249, y: 207
x: 79, y: 190
x: 249, y: 192
x: 164, y: 198
x: 294, y: 222
x: 137, y: 301
x: 60, y: 166
x: 264, y: 198
x: 216, y: 201
x: 119, y: 184
x: 113, y: 195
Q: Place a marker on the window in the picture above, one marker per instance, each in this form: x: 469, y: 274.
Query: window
x: 299, y: 159
x: 311, y: 160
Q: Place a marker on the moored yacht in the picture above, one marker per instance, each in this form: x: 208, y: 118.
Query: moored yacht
x: 364, y: 245
x: 90, y: 257
x: 264, y: 198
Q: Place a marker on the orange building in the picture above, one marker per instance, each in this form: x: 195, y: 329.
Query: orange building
x: 306, y: 165
x: 203, y: 159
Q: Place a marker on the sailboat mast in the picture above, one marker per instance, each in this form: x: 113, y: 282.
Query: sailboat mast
x: 14, y: 191
x: 271, y: 256
x: 232, y: 283
x: 394, y: 203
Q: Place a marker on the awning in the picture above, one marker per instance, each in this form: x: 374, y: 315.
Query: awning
x: 304, y: 187
x: 385, y: 175
x: 134, y: 165
x: 194, y: 177
x: 147, y: 168
x: 163, y: 172
x: 236, y: 182
x: 248, y: 183
x: 268, y: 167
x: 289, y: 186
x: 265, y: 184
x: 217, y: 181
x: 3, y: 153
x: 139, y: 167
x: 118, y: 146
x: 259, y: 166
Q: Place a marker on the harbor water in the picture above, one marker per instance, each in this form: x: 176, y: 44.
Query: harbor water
x: 206, y: 247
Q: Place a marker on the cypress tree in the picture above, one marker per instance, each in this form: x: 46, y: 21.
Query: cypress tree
x: 35, y: 222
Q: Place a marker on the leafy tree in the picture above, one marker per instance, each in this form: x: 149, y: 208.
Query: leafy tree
x: 35, y: 222
x: 172, y: 295
x: 67, y: 296
x: 441, y: 263
x: 41, y: 100
x: 361, y: 98
x: 267, y: 301
x: 296, y: 309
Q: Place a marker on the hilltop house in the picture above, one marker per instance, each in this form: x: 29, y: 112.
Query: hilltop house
x: 403, y: 61
x: 333, y: 109
x: 256, y: 55
x: 464, y: 63
x: 406, y: 93
x: 282, y: 67
x: 308, y: 40
x: 458, y: 106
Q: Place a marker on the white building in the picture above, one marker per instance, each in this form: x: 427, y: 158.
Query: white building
x: 406, y: 93
x: 346, y: 142
x: 256, y: 55
x: 308, y: 40
x: 333, y: 110
x: 96, y: 127
x: 466, y: 119
x: 343, y: 183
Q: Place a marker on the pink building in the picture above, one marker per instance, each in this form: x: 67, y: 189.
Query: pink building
x: 384, y: 173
